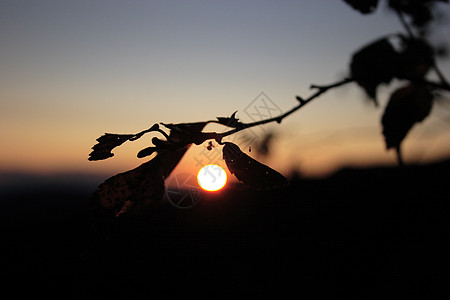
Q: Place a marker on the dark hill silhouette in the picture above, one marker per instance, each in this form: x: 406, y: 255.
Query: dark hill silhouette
x: 360, y: 233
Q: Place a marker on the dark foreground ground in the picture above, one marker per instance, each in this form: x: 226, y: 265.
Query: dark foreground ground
x: 360, y: 234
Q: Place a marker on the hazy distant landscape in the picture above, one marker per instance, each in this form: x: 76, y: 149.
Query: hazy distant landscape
x: 358, y: 234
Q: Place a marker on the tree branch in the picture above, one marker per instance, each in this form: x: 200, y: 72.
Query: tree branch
x: 278, y: 119
x: 438, y: 85
x: 204, y: 136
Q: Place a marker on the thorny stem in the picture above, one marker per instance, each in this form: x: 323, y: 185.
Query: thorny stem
x: 204, y: 136
x: 278, y: 119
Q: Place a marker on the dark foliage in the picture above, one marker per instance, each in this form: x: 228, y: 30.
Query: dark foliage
x: 379, y: 62
x: 250, y: 171
x: 374, y: 64
x: 137, y: 191
x: 407, y: 106
x: 412, y: 59
x: 140, y: 190
x: 106, y: 143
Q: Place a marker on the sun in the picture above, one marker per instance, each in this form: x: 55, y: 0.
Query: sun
x: 212, y: 178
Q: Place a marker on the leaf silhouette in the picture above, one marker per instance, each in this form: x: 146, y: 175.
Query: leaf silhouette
x: 107, y: 142
x: 136, y: 190
x: 250, y: 171
x: 231, y: 121
x: 140, y: 190
x: 363, y: 6
x: 374, y: 64
x: 407, y: 105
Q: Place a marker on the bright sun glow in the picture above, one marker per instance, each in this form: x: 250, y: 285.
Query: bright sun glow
x: 212, y: 178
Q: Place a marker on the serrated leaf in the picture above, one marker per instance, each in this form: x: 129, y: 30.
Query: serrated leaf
x: 374, y: 64
x: 407, y: 106
x: 250, y: 171
x: 106, y: 143
x: 363, y: 6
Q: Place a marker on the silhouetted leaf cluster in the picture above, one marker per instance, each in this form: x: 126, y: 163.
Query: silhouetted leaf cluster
x: 411, y: 59
x: 109, y: 141
x: 379, y: 62
x: 181, y: 135
x: 138, y: 190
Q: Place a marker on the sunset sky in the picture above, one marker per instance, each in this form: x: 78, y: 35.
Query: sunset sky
x: 73, y: 70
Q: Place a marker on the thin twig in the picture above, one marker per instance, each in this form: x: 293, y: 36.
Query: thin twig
x: 405, y: 24
x: 442, y: 86
x: 302, y: 102
x: 204, y: 136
